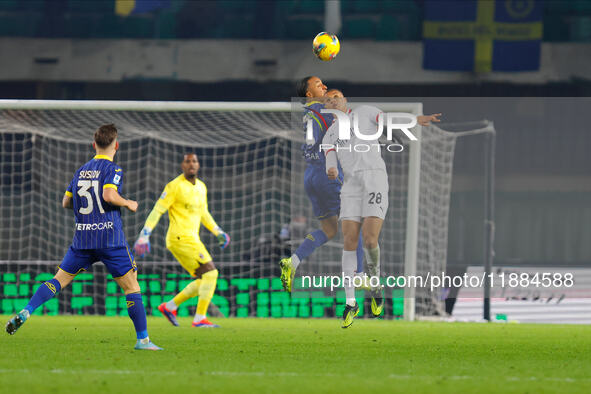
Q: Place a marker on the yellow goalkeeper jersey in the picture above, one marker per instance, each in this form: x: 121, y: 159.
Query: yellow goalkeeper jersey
x: 187, y: 208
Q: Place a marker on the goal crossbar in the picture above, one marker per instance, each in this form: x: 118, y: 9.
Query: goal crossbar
x: 164, y: 106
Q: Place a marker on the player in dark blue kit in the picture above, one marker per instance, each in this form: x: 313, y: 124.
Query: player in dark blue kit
x: 324, y: 194
x: 94, y: 196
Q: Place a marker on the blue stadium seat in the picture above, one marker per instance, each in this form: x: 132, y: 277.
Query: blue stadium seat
x: 399, y: 5
x: 303, y: 27
x: 308, y: 6
x: 388, y: 28
x: 408, y: 26
x: 288, y: 8
x: 92, y: 6
x: 583, y: 7
x: 580, y: 28
x: 137, y: 27
x: 32, y: 5
x: 166, y: 24
x: 109, y: 26
x: 236, y: 6
x: 9, y: 5
x: 562, y: 6
x: 556, y: 28
x: 18, y: 24
x: 84, y: 25
x: 236, y: 26
x: 366, y: 6
x: 359, y: 27
x: 113, y: 26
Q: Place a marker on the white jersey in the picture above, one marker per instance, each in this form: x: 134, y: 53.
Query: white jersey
x: 356, y: 154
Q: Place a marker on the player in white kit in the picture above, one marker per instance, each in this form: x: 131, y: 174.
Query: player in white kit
x: 364, y: 195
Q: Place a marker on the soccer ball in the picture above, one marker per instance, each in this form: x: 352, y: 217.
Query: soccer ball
x: 326, y: 46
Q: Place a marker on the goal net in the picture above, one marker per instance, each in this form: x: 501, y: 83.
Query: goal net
x: 251, y: 163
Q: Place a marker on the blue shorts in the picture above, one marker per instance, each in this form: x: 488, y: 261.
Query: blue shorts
x: 324, y: 194
x: 119, y: 261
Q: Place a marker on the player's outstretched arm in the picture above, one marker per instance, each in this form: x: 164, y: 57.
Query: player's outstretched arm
x: 113, y: 197
x: 424, y: 120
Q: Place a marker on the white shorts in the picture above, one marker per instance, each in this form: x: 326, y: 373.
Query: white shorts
x: 364, y: 194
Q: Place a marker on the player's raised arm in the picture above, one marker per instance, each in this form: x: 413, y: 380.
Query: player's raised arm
x: 209, y: 223
x: 142, y: 244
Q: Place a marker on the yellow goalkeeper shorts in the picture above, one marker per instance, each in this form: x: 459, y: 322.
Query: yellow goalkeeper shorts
x: 189, y: 251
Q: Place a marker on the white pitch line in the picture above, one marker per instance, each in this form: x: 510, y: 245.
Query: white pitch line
x: 130, y: 372
x: 508, y: 378
x: 292, y: 374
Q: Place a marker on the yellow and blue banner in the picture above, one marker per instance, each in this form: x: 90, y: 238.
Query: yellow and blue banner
x: 133, y: 7
x: 482, y: 35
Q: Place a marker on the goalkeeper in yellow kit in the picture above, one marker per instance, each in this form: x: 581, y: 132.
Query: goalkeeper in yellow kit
x: 185, y: 198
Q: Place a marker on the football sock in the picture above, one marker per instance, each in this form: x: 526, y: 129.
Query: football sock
x: 45, y: 292
x: 206, y: 290
x: 172, y: 305
x: 349, y: 262
x: 295, y: 261
x: 190, y: 291
x: 373, y: 260
x: 312, y: 241
x: 137, y: 313
x: 198, y: 318
x: 360, y: 254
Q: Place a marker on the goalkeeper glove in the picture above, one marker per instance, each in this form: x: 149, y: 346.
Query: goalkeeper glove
x: 142, y: 245
x: 223, y: 238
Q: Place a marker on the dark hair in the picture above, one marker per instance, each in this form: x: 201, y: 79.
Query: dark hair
x: 302, y: 86
x: 105, y: 135
x: 189, y: 153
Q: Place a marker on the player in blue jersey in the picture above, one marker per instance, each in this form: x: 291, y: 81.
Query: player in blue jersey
x: 94, y: 196
x: 324, y: 194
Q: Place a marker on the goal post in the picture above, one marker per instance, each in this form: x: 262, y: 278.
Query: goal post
x: 412, y: 217
x: 250, y: 159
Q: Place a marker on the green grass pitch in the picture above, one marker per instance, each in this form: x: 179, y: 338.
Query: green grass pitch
x: 92, y: 354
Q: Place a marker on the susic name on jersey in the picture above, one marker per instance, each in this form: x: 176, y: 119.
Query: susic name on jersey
x: 93, y: 226
x: 90, y: 174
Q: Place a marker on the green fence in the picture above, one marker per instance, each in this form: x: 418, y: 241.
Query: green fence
x: 96, y: 293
